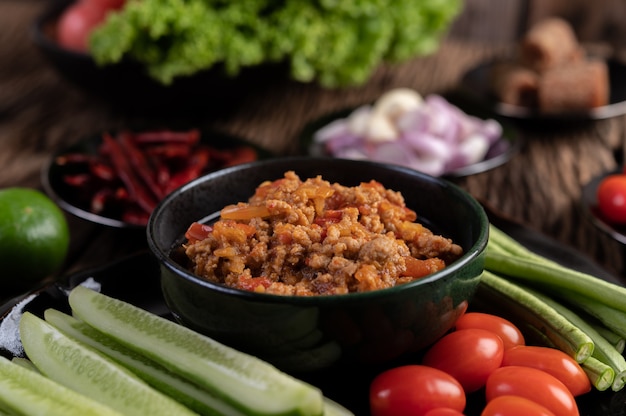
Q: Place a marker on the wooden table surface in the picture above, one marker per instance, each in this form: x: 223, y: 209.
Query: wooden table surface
x: 41, y: 111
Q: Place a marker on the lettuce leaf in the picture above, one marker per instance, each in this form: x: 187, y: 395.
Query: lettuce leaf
x: 336, y: 43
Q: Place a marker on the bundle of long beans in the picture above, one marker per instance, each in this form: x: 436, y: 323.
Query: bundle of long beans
x: 557, y: 306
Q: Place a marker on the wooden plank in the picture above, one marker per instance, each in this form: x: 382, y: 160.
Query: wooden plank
x: 493, y: 21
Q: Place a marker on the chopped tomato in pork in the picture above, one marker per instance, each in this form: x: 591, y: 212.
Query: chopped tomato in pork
x: 253, y: 284
x: 417, y: 268
x: 198, y: 232
x: 329, y: 217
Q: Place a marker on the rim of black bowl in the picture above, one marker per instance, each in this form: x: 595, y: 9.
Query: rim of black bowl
x: 47, y: 181
x: 470, y: 254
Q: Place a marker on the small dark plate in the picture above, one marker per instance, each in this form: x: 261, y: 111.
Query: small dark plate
x: 476, y: 83
x: 71, y: 200
x: 500, y: 152
x: 135, y: 279
x: 590, y: 208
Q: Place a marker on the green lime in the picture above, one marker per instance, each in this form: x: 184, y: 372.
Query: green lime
x: 34, y: 237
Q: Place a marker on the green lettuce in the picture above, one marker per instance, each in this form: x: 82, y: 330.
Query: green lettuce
x: 334, y: 42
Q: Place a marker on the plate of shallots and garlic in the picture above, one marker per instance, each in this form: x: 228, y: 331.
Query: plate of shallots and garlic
x: 431, y: 134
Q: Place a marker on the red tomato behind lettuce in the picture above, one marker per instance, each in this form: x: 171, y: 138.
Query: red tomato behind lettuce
x: 532, y: 384
x: 509, y: 333
x: 80, y: 19
x: 468, y: 355
x: 75, y: 25
x: 414, y: 390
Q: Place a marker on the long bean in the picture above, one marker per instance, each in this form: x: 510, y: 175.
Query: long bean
x: 561, y: 332
x: 576, y: 312
x: 556, y: 277
x: 612, y: 318
x: 603, y: 351
x: 507, y: 256
x: 600, y: 374
x: 504, y: 243
x: 616, y: 340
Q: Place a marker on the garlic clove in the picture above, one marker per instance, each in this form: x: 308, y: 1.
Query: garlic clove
x: 396, y: 102
x: 380, y: 129
x: 358, y: 120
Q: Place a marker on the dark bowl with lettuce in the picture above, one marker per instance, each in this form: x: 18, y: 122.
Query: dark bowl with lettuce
x: 214, y: 50
x: 127, y: 84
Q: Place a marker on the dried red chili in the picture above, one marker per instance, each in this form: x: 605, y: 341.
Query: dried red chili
x: 132, y: 171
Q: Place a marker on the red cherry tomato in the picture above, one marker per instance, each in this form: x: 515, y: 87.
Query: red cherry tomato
x: 469, y: 355
x: 76, y: 24
x: 414, y: 390
x: 611, y: 195
x: 552, y: 361
x: 514, y: 406
x: 533, y: 384
x: 510, y: 334
x: 443, y: 411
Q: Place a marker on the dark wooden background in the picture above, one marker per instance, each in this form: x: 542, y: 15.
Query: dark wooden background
x: 42, y: 112
x: 506, y: 20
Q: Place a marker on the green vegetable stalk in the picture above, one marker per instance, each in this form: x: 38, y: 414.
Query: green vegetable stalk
x: 534, y: 312
x: 507, y: 257
x: 336, y: 43
x: 600, y: 374
x: 603, y: 351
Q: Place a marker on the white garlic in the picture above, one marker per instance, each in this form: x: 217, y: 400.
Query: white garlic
x: 358, y: 120
x: 394, y: 103
x: 380, y: 129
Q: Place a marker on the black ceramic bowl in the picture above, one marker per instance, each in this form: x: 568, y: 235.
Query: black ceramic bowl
x: 302, y: 334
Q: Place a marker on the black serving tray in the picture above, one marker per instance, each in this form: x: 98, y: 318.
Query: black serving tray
x: 135, y: 279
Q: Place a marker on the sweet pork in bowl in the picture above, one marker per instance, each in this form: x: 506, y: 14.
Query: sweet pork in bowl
x: 304, y: 331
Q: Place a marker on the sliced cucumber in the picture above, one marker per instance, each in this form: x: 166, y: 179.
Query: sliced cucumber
x: 90, y: 373
x: 246, y: 382
x: 332, y: 408
x: 25, y: 362
x: 5, y: 412
x: 27, y: 392
x: 151, y: 372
